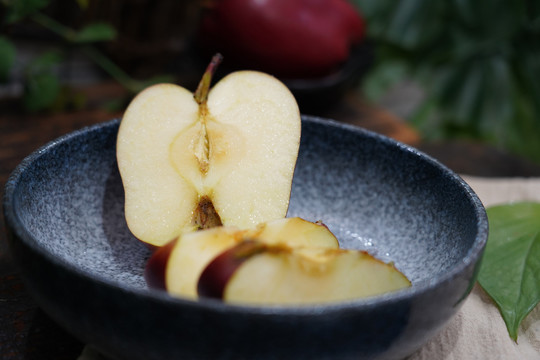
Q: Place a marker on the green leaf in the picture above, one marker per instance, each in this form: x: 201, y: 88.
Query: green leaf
x: 506, y: 25
x: 382, y: 77
x: 477, y: 61
x: 510, y: 271
x: 44, y: 62
x: 413, y: 23
x: 7, y: 57
x: 42, y: 86
x: 466, y: 100
x: 496, y: 104
x: 19, y: 9
x: 464, y: 9
x: 95, y: 32
x: 41, y: 91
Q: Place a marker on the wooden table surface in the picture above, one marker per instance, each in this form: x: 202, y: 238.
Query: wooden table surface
x: 26, y: 332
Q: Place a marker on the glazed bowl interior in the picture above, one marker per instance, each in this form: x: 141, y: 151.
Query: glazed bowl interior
x: 64, y: 211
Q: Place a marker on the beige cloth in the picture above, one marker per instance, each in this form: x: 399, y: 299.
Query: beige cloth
x: 478, y: 330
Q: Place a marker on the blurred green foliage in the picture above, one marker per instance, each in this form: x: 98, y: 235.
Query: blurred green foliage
x: 478, y: 63
x: 42, y: 87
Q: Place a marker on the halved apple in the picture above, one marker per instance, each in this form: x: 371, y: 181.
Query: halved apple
x: 178, y: 265
x: 260, y: 274
x: 224, y: 156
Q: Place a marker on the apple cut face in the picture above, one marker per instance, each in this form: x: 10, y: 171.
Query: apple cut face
x: 192, y: 253
x: 254, y: 184
x: 158, y: 200
x: 177, y: 266
x: 294, y: 231
x: 259, y: 274
x: 228, y: 160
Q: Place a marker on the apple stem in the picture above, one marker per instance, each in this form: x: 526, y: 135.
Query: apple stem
x: 201, y: 94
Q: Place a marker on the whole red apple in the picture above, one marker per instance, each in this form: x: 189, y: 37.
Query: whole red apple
x: 286, y: 38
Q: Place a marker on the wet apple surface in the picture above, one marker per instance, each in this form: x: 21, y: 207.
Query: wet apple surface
x: 224, y: 176
x: 190, y: 161
x: 178, y: 265
x: 286, y: 261
x: 255, y: 273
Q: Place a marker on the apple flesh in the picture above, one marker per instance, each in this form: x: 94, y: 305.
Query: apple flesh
x: 178, y: 265
x: 294, y: 231
x: 177, y: 268
x: 260, y: 274
x: 221, y: 156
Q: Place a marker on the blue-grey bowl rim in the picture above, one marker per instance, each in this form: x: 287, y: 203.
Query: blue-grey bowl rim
x: 473, y: 255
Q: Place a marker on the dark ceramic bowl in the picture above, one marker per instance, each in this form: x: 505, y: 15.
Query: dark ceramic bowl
x: 64, y: 213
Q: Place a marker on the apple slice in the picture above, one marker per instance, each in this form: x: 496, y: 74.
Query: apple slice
x: 294, y: 231
x: 177, y: 266
x: 224, y: 156
x: 260, y: 274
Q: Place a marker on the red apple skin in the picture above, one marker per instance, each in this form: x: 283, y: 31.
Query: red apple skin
x: 154, y: 272
x: 217, y: 273
x: 288, y: 39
